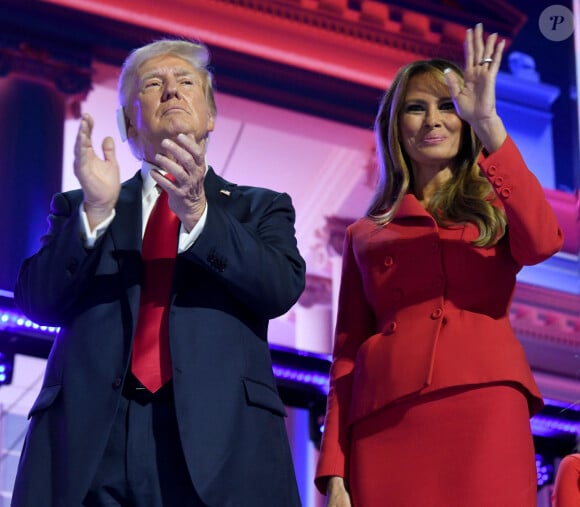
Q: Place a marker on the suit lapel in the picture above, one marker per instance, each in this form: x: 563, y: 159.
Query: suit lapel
x: 126, y: 228
x: 217, y: 190
x: 126, y: 237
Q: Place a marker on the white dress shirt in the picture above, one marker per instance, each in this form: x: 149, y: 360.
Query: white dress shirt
x: 150, y: 193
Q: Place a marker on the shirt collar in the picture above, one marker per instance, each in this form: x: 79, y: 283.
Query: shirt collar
x: 148, y: 181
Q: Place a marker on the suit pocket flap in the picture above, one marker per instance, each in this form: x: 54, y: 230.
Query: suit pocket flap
x: 45, y: 399
x: 261, y: 395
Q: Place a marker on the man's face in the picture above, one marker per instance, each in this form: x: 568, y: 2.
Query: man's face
x: 169, y: 100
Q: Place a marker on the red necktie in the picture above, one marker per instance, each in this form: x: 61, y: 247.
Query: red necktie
x: 151, y: 361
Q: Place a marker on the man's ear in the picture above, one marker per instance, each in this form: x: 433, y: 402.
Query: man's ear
x: 122, y: 123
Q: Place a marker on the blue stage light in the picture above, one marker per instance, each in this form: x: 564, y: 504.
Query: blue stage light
x: 545, y: 471
x: 6, y: 367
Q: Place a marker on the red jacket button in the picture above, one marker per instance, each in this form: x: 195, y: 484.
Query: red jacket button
x: 436, y: 313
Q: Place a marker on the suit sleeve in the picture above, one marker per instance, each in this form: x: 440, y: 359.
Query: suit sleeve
x: 52, y: 280
x: 533, y: 230
x: 355, y: 323
x: 567, y: 487
x: 256, y: 258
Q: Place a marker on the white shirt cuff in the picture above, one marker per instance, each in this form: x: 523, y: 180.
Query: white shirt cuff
x: 91, y: 237
x: 187, y: 239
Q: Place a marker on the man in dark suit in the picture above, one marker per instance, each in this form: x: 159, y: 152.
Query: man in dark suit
x: 209, y: 428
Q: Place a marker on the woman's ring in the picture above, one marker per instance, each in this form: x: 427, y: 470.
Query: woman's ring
x: 483, y: 61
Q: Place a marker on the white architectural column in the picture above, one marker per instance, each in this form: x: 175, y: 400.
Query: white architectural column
x: 313, y: 314
x: 314, y: 328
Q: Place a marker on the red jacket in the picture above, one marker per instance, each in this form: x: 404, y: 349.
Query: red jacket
x: 420, y: 308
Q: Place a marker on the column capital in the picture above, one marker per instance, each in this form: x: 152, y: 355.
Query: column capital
x: 68, y: 72
x: 335, y: 228
x: 318, y: 291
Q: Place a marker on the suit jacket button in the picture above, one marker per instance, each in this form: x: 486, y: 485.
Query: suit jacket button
x: 71, y: 268
x: 118, y: 382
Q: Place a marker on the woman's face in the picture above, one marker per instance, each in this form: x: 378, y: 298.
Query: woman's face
x: 429, y: 127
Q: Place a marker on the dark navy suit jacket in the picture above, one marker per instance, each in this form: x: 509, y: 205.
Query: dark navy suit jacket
x: 243, y: 270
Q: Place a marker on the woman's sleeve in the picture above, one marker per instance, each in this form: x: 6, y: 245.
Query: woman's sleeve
x: 534, y: 233
x: 567, y: 486
x: 355, y: 321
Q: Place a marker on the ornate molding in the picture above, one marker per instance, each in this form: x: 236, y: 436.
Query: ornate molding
x: 547, y: 322
x: 424, y: 28
x: 329, y: 37
x: 68, y: 76
x: 547, y: 326
x: 378, y: 23
x: 532, y: 295
x: 318, y: 291
x: 335, y: 229
x: 315, y: 56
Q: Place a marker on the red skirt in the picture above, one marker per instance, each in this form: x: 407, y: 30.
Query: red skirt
x: 458, y: 447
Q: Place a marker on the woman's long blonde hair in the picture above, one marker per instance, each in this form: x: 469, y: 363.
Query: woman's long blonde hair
x: 466, y: 197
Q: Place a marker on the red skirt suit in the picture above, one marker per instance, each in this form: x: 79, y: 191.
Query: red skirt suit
x: 430, y: 393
